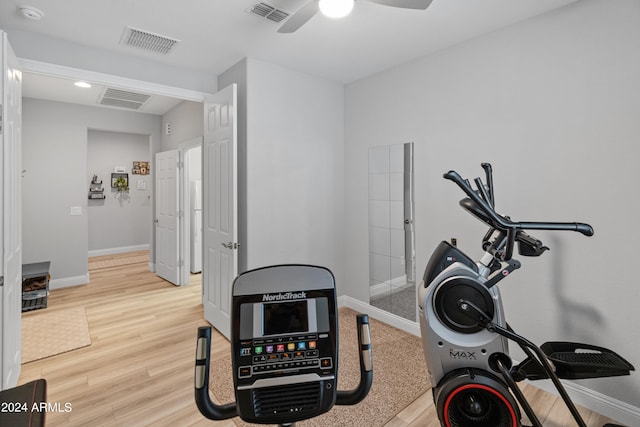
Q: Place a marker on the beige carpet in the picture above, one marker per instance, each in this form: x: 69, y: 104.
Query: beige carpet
x: 399, y: 376
x: 47, y: 333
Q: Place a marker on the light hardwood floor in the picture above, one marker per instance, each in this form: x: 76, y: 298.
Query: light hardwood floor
x: 138, y: 370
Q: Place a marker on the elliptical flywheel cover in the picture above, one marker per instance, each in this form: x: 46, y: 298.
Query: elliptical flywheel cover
x: 447, y: 297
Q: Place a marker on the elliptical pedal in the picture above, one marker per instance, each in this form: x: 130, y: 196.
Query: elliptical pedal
x: 579, y: 361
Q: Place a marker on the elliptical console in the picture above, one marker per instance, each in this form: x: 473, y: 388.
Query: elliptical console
x: 284, y: 344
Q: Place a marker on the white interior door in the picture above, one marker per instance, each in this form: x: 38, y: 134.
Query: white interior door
x: 167, y: 219
x: 219, y: 190
x: 11, y: 290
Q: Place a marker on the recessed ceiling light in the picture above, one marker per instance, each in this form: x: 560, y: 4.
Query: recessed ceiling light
x: 83, y: 85
x: 31, y: 13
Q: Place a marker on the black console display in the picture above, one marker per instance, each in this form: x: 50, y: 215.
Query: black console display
x: 285, y: 317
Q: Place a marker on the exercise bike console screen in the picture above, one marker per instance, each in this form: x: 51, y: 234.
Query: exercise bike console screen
x: 285, y: 317
x: 285, y: 345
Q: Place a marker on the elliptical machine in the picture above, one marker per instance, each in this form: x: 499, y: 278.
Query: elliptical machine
x: 465, y: 335
x: 284, y: 347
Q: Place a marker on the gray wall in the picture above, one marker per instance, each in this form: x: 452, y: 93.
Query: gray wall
x: 187, y: 122
x: 120, y: 222
x: 55, y: 158
x: 552, y: 102
x: 291, y: 166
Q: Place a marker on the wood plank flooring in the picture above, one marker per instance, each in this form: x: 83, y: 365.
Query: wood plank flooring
x: 138, y: 371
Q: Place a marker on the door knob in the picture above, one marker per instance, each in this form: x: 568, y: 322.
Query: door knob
x: 231, y: 245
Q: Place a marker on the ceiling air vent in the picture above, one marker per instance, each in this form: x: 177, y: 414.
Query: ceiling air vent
x: 269, y: 12
x: 148, y: 41
x: 124, y: 99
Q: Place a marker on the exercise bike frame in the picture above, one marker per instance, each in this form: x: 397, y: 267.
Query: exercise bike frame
x: 499, y: 243
x: 218, y: 412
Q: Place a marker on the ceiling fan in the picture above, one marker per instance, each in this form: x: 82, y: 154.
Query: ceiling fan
x: 307, y: 11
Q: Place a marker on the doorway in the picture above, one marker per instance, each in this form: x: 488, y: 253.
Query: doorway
x: 191, y: 205
x: 117, y: 220
x: 73, y: 271
x: 391, y: 230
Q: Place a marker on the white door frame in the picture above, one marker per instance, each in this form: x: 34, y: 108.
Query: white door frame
x: 185, y: 206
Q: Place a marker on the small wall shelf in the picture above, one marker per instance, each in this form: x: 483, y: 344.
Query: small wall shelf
x: 95, y: 189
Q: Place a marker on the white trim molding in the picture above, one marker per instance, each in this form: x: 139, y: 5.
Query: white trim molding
x: 120, y: 250
x: 69, y: 281
x: 617, y: 410
x: 55, y: 70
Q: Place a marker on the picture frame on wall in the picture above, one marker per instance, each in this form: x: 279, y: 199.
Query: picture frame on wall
x: 140, y: 168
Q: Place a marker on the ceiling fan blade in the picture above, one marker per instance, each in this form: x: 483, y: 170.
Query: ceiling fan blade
x: 405, y: 4
x: 300, y: 18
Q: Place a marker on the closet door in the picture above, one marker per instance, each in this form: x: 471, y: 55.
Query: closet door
x: 11, y: 140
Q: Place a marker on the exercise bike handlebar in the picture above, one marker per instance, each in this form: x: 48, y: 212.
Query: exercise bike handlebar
x: 214, y: 411
x: 505, y: 224
x: 366, y: 365
x: 206, y: 407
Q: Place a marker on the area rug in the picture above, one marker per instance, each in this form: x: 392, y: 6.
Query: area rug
x: 48, y: 333
x: 399, y: 376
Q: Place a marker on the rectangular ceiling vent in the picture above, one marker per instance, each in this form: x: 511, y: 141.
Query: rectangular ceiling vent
x: 124, y: 99
x: 269, y: 12
x: 148, y: 41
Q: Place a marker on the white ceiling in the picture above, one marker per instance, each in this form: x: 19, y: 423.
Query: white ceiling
x: 214, y: 35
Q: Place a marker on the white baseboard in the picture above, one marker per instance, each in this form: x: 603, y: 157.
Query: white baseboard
x: 617, y: 410
x: 390, y: 319
x: 120, y: 250
x: 69, y: 281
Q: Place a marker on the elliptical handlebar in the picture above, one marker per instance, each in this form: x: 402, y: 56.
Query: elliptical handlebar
x: 484, y: 199
x: 214, y: 411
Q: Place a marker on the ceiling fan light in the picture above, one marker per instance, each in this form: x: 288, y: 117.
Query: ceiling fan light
x: 335, y: 8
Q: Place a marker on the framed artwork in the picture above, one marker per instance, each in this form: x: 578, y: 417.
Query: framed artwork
x: 140, y: 168
x: 115, y: 177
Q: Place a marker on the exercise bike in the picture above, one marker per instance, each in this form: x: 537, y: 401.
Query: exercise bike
x: 284, y: 347
x: 465, y: 335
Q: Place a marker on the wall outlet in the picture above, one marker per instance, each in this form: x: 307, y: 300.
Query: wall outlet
x: 75, y: 210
